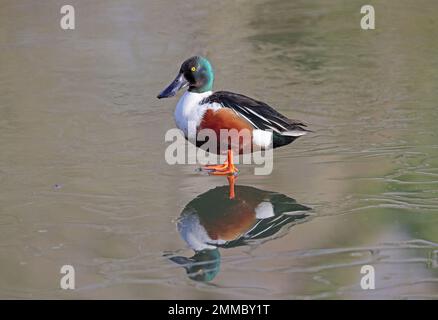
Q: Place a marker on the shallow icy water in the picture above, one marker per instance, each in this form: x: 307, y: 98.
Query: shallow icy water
x: 83, y: 179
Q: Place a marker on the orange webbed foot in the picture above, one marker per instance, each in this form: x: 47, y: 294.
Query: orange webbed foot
x: 212, y: 168
x: 226, y: 169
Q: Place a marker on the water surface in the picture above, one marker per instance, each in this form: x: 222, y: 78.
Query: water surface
x: 83, y: 179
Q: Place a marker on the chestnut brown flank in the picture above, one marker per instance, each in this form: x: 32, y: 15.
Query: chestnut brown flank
x: 225, y: 119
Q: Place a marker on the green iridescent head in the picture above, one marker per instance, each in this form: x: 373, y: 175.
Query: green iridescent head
x: 195, y: 73
x: 203, y: 266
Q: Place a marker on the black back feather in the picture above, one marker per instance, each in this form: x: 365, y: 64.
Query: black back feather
x: 258, y: 113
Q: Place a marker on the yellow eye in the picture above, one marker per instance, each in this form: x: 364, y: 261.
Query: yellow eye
x: 193, y: 69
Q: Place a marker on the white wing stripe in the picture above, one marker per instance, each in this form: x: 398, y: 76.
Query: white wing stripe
x: 274, y: 122
x: 258, y: 115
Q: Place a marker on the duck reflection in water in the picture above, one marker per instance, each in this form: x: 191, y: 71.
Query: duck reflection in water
x: 212, y: 221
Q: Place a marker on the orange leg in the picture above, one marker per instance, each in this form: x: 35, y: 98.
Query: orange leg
x: 227, y: 169
x: 231, y: 180
x: 218, y: 167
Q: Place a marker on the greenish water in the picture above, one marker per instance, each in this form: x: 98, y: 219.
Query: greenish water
x: 83, y: 179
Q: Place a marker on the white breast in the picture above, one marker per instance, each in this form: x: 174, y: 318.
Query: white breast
x: 194, y: 234
x: 188, y: 110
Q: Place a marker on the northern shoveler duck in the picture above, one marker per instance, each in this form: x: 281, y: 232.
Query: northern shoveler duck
x: 212, y: 221
x: 226, y: 110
